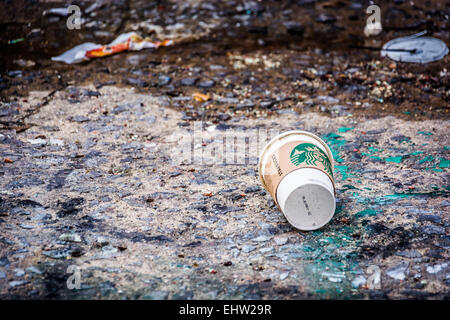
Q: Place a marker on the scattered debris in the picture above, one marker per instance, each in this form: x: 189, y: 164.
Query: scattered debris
x: 16, y: 41
x: 415, y: 48
x: 201, y: 97
x: 125, y: 42
x: 61, y: 12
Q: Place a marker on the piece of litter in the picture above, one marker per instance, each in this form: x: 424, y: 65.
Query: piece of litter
x: 197, y: 96
x: 130, y: 41
x: 436, y: 268
x: 358, y: 281
x: 24, y: 63
x: 15, y: 41
x: 284, y: 275
x: 37, y: 141
x: 398, y: 272
x: 415, y: 49
x: 70, y: 237
x: 262, y: 238
x: 61, y: 12
x: 280, y: 241
x: 14, y: 284
x: 334, y: 276
x: 56, y: 142
x: 77, y: 54
x: 248, y: 248
x: 34, y: 270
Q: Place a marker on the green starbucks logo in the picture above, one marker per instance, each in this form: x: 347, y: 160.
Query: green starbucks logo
x: 309, y: 154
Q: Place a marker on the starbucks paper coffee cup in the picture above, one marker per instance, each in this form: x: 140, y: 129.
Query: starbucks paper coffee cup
x: 296, y: 168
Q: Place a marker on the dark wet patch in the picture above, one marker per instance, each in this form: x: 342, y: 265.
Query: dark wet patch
x: 89, y: 223
x: 193, y: 244
x: 15, y: 206
x: 58, y: 181
x: 70, y: 207
x: 394, y: 240
x: 141, y: 237
x: 377, y: 228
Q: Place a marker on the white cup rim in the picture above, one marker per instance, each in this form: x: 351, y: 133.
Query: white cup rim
x: 287, y: 187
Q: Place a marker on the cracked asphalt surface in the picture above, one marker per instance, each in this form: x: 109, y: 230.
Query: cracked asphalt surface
x: 93, y: 175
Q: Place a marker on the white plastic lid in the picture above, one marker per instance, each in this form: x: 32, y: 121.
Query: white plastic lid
x: 421, y: 49
x: 306, y: 198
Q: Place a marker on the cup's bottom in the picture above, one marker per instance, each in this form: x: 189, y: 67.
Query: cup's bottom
x: 307, y: 202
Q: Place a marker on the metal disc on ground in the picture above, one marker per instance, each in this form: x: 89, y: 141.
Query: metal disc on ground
x: 415, y: 49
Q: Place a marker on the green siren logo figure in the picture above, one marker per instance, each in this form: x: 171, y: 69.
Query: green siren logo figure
x: 309, y: 154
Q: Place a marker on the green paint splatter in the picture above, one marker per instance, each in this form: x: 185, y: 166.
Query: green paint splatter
x: 328, y: 259
x: 375, y: 149
x: 426, y: 159
x: 415, y: 153
x: 444, y: 163
x: 333, y: 135
x: 333, y: 141
x: 430, y: 194
x: 338, y: 210
x: 343, y: 171
x: 394, y: 159
x: 366, y: 213
x: 425, y: 133
x: 391, y: 198
x: 372, y: 150
x: 344, y: 129
x: 346, y: 187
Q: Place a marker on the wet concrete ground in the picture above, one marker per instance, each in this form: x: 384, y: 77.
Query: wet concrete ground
x: 88, y: 178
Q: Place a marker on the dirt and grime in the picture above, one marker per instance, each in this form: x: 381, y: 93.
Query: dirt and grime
x: 87, y: 172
